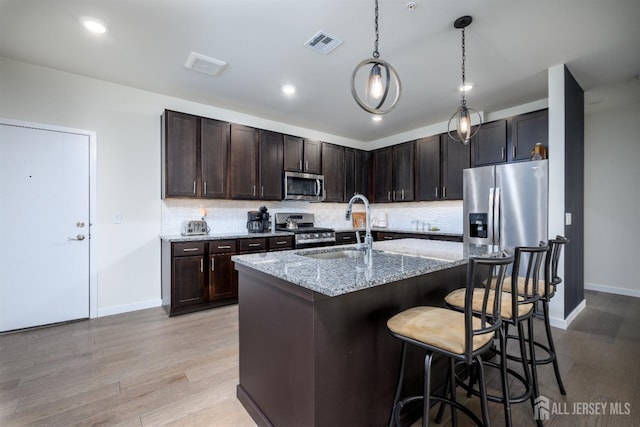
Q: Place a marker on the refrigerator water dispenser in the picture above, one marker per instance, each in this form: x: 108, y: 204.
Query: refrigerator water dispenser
x: 478, y: 225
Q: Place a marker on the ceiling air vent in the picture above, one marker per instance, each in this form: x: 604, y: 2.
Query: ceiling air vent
x: 323, y: 42
x: 204, y: 64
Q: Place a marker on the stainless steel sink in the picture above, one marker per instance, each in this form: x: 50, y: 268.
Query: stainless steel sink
x: 339, y: 254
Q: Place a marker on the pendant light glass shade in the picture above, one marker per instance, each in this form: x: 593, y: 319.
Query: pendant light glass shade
x: 462, y: 117
x: 375, y: 85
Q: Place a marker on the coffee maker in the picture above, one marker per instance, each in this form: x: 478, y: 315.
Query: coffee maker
x: 258, y: 221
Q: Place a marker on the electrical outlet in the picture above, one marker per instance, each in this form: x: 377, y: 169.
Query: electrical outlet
x: 117, y: 217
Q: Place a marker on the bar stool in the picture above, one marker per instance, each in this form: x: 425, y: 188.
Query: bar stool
x: 460, y: 336
x: 517, y: 309
x: 551, y: 283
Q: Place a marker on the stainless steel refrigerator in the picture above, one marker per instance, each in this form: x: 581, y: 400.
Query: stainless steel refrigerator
x: 507, y: 205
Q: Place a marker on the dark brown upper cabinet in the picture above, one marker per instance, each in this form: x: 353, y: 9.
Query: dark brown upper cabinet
x: 455, y: 157
x: 194, y: 156
x: 394, y: 173
x: 526, y: 131
x: 489, y: 145
x: 271, y: 158
x: 302, y: 155
x: 333, y: 171
x: 357, y: 173
x: 214, y: 143
x: 428, y: 165
x: 244, y: 162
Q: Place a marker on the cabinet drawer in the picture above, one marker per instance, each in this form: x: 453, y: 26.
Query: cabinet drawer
x: 188, y: 248
x: 222, y: 246
x: 253, y: 245
x: 280, y: 243
x: 345, y: 238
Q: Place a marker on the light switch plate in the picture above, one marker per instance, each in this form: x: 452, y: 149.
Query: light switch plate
x: 117, y: 217
x: 567, y: 218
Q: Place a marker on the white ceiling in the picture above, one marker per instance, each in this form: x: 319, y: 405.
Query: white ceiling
x: 510, y: 45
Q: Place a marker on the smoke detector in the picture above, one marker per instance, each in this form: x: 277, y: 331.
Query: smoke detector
x: 204, y: 64
x: 323, y: 42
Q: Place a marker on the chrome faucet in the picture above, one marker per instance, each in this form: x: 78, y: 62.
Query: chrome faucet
x: 368, y: 239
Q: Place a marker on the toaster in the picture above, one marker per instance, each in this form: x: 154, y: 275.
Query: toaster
x: 193, y: 228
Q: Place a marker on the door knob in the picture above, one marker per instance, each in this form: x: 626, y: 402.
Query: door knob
x: 78, y: 237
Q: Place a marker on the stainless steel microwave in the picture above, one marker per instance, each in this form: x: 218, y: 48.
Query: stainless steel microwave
x: 304, y: 186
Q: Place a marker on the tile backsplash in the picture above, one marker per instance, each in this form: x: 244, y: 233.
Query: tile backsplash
x: 230, y: 216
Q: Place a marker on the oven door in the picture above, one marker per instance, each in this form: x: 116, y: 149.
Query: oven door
x: 304, y: 186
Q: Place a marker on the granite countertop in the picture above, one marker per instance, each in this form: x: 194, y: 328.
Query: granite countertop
x: 222, y: 236
x: 391, y: 261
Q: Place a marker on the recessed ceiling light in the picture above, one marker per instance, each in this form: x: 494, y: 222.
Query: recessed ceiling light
x: 376, y: 118
x: 288, y: 90
x: 93, y: 25
x: 466, y: 87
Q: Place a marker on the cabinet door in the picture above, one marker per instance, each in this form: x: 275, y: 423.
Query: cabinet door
x: 180, y: 154
x: 333, y: 171
x: 362, y: 173
x: 428, y: 162
x: 221, y: 277
x: 312, y: 156
x: 293, y: 149
x: 382, y: 175
x: 244, y: 162
x: 346, y: 238
x: 403, y: 166
x: 490, y: 143
x: 188, y: 281
x: 271, y: 158
x: 526, y: 131
x: 349, y: 173
x: 214, y: 149
x: 455, y: 158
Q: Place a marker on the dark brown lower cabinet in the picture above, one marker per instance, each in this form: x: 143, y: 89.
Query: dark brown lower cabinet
x: 394, y: 235
x: 187, y: 273
x: 223, y: 282
x: 348, y: 237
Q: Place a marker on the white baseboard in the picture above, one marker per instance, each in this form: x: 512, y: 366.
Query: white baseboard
x: 564, y: 323
x: 612, y: 290
x: 118, y: 309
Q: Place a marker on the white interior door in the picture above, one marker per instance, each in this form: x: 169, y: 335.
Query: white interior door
x: 44, y: 227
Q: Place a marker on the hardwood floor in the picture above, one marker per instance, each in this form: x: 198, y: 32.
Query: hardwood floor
x: 145, y: 369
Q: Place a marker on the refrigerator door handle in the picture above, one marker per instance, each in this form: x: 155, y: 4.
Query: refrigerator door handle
x: 490, y: 231
x: 496, y: 217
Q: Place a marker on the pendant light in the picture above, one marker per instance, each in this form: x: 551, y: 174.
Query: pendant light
x: 381, y: 87
x: 462, y: 116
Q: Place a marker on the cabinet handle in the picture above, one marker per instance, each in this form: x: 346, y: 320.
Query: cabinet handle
x: 513, y: 151
x: 388, y: 238
x: 194, y: 187
x: 262, y: 191
x: 213, y: 264
x: 190, y: 249
x: 502, y: 153
x: 389, y: 196
x: 444, y: 192
x: 306, y: 165
x: 254, y: 191
x: 394, y: 194
x: 205, y: 187
x: 300, y: 165
x: 253, y: 245
x: 224, y: 247
x: 436, y: 192
x: 346, y: 237
x: 281, y: 242
x: 201, y: 265
x: 403, y: 194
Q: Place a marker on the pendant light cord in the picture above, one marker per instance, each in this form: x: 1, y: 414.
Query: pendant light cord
x: 464, y: 57
x: 376, y: 54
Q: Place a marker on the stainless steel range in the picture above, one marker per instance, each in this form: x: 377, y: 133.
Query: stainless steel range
x: 306, y: 235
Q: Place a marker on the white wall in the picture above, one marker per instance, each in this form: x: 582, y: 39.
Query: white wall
x: 612, y: 199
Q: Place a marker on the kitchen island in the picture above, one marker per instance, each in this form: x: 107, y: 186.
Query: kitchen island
x: 314, y: 346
